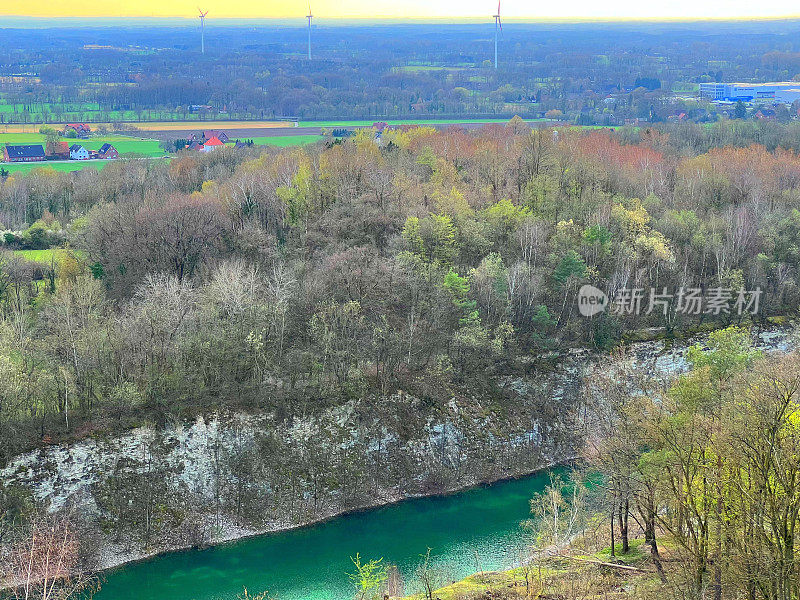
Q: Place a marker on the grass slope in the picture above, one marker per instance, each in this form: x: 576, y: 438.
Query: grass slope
x: 557, y: 577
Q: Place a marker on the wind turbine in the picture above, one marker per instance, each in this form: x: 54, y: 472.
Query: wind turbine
x: 498, y: 26
x: 202, y: 30
x: 309, y: 16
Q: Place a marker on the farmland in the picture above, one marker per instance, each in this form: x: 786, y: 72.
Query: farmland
x: 123, y: 144
x: 128, y: 147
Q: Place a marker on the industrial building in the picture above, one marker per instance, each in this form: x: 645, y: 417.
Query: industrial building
x: 777, y: 91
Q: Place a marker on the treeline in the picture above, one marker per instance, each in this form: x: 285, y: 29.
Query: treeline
x: 595, y: 74
x: 434, y: 262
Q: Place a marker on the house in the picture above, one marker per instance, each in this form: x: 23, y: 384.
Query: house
x: 107, y: 152
x: 78, y: 152
x: 203, y: 136
x: 57, y: 151
x: 26, y: 153
x: 195, y: 146
x: 82, y: 130
x: 212, y: 144
x: 220, y: 135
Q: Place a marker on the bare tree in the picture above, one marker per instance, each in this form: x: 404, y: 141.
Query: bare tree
x: 43, y: 563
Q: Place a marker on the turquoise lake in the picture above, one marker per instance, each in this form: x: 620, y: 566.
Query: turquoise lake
x: 477, y: 529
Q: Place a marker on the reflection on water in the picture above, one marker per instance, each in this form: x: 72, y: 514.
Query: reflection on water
x: 478, y: 529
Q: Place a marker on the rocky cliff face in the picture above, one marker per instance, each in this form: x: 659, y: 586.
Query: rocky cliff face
x: 228, y: 475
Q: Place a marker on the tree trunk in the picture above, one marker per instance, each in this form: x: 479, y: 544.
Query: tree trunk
x: 612, y: 532
x: 650, y: 540
x: 622, y: 516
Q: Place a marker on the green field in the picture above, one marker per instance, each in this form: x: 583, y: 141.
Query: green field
x: 123, y: 143
x: 283, y: 141
x: 45, y: 256
x: 69, y: 112
x: 425, y: 68
x: 64, y: 167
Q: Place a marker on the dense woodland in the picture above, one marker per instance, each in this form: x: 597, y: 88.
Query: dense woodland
x: 107, y: 73
x: 433, y: 262
x: 430, y: 263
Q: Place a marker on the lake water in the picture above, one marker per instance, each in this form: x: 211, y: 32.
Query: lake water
x: 477, y: 529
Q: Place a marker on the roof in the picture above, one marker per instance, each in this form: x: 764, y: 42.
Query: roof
x: 78, y: 126
x: 57, y: 147
x: 75, y: 147
x: 26, y: 151
x: 214, y: 141
x: 765, y: 84
x: 106, y: 147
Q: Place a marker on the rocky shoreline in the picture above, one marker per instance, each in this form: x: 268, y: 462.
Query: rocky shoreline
x: 113, y: 556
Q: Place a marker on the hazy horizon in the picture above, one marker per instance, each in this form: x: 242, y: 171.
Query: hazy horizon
x: 409, y: 9
x: 36, y: 21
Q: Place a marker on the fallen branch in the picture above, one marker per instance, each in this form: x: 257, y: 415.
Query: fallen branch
x: 603, y: 564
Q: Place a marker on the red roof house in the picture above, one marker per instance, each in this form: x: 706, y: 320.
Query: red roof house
x: 82, y: 129
x: 57, y: 151
x: 212, y: 144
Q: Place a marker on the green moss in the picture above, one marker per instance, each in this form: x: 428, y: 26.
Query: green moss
x: 636, y: 554
x: 779, y: 320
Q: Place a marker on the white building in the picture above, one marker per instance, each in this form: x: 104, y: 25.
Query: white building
x: 788, y: 96
x: 778, y: 91
x: 78, y: 152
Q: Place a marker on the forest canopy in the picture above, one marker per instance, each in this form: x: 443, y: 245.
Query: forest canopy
x: 432, y: 261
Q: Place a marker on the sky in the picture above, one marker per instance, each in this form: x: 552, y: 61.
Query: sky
x: 440, y: 9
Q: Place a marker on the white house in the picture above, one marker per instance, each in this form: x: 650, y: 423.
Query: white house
x: 78, y: 152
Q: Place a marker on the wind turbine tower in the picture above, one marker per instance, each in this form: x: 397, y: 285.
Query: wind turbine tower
x: 309, y: 16
x: 498, y: 26
x: 202, y: 30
